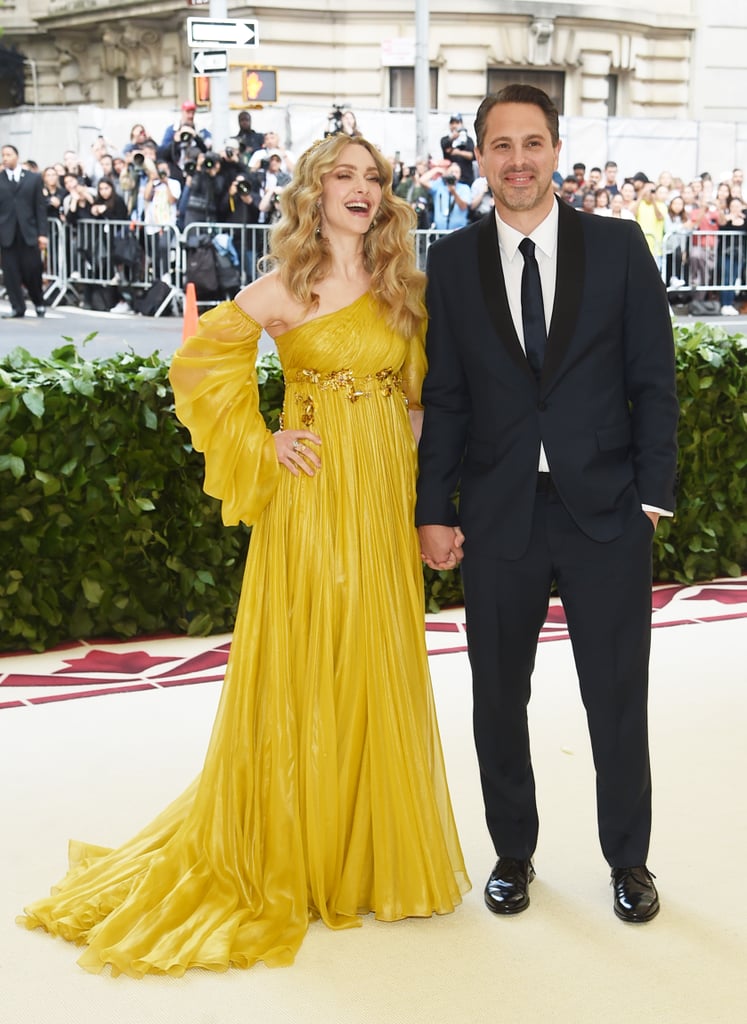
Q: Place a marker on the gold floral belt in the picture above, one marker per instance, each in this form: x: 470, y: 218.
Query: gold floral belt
x: 386, y: 381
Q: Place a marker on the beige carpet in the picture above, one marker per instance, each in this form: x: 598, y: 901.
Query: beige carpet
x: 97, y: 769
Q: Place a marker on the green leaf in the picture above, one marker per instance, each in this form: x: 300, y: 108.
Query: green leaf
x: 16, y: 465
x: 34, y: 401
x: 92, y: 590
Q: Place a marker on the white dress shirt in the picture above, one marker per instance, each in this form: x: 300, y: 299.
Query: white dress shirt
x: 545, y: 238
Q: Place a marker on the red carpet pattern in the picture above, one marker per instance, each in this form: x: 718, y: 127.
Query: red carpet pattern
x: 94, y: 669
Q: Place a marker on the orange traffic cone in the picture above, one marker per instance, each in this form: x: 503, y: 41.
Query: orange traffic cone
x: 191, y: 315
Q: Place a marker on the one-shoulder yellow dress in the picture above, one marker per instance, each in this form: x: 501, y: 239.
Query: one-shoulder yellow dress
x: 323, y: 793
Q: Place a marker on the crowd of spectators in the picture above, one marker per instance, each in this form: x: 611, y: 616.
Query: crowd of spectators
x: 696, y: 229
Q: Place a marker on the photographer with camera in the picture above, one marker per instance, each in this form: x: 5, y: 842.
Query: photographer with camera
x: 247, y: 139
x: 161, y: 194
x: 231, y: 164
x: 417, y: 194
x: 206, y: 187
x: 240, y: 206
x: 459, y: 148
x: 272, y: 182
x: 140, y: 164
x: 181, y: 137
x: 272, y: 145
x: 451, y: 197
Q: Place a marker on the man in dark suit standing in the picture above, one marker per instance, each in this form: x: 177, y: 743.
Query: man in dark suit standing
x: 23, y: 233
x: 550, y: 403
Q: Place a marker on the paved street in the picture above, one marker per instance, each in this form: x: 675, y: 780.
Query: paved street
x: 113, y: 332
x: 117, y: 332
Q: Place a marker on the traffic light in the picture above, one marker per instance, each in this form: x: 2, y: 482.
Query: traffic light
x: 259, y: 85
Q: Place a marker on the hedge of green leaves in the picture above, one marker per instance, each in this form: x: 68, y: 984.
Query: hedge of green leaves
x: 105, y: 529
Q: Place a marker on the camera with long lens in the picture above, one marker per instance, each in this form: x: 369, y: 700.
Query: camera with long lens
x: 185, y: 136
x: 449, y: 179
x: 190, y: 167
x: 138, y: 158
x: 209, y: 163
x: 334, y: 122
x: 243, y: 187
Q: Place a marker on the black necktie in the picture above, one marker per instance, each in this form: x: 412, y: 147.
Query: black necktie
x: 532, y: 308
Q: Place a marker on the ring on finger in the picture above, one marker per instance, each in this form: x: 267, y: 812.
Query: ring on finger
x: 297, y: 446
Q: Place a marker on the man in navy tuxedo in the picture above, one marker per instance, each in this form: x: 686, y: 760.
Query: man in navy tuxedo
x: 550, y: 405
x: 23, y: 233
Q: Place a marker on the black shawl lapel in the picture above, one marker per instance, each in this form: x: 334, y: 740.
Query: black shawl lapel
x: 569, y: 286
x: 493, y: 287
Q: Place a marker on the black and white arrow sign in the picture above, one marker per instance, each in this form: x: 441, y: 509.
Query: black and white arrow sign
x: 212, y: 32
x: 209, y: 62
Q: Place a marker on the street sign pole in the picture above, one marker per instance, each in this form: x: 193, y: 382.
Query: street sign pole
x: 219, y: 88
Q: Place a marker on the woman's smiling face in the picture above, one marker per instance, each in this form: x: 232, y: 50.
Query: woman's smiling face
x: 351, y: 192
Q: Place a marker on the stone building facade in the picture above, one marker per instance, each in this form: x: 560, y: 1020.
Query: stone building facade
x: 661, y: 84
x: 667, y: 59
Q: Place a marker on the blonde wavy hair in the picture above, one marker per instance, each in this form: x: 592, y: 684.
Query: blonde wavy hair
x: 302, y: 256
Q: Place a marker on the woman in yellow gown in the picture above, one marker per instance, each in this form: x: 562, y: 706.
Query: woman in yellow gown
x: 323, y: 793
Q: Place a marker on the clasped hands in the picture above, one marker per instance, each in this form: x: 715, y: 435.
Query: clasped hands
x: 441, y: 546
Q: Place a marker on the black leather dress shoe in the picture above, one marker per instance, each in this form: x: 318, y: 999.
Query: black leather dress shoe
x: 506, y: 891
x: 41, y: 310
x: 12, y: 316
x: 636, y: 898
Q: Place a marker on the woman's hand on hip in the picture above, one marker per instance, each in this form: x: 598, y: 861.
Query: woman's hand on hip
x: 295, y: 452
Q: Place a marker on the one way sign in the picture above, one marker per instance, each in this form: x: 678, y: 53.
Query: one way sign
x: 212, y: 32
x: 209, y: 62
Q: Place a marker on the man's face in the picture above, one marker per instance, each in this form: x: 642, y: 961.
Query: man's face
x: 274, y: 165
x: 567, y: 191
x: 10, y: 158
x: 610, y: 174
x: 579, y: 173
x: 518, y: 158
x: 271, y: 140
x: 594, y: 178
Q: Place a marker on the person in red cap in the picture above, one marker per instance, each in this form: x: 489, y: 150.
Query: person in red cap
x: 181, y: 137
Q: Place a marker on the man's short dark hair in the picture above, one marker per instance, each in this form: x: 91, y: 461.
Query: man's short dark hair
x: 518, y: 94
x: 610, y: 163
x: 9, y: 145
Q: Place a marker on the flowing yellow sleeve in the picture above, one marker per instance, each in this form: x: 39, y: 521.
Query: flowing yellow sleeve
x: 214, y: 378
x: 413, y: 371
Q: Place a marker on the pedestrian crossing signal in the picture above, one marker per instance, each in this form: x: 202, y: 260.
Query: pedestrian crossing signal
x: 260, y: 85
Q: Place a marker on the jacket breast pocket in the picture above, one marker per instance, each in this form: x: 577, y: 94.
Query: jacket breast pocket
x: 617, y: 436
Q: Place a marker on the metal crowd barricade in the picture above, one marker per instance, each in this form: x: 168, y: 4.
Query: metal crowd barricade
x: 424, y: 238
x: 95, y: 261
x: 248, y: 242
x: 92, y: 255
x: 704, y: 261
x: 54, y: 275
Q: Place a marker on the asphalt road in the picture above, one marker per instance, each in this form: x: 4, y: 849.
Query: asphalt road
x: 120, y: 332
x: 111, y: 333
